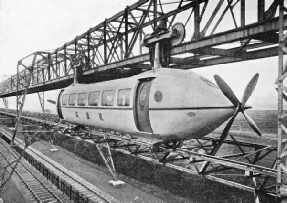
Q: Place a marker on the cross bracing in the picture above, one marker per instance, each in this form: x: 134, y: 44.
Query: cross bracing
x: 217, y: 32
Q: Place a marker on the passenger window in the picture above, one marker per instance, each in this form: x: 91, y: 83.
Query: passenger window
x: 82, y: 99
x: 143, y: 95
x: 72, y: 99
x: 124, y: 97
x: 94, y: 98
x: 65, y: 99
x: 108, y: 98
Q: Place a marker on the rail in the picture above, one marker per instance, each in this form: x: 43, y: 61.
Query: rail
x: 59, y: 176
x: 39, y: 190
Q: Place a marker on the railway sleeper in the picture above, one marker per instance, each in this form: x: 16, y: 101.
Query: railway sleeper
x: 37, y: 188
x: 40, y: 191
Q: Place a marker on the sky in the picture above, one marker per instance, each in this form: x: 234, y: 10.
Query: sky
x: 27, y: 26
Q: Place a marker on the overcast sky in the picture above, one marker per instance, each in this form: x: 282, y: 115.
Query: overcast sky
x: 27, y: 26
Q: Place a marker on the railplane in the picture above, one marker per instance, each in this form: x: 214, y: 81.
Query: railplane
x: 163, y: 105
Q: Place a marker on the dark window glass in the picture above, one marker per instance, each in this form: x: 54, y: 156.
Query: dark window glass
x: 124, y: 97
x: 143, y: 96
x: 82, y: 99
x: 94, y: 98
x: 72, y: 99
x: 108, y: 98
x: 65, y: 99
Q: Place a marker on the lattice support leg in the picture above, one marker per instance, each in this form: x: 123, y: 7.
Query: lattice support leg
x: 109, y: 162
x: 281, y: 180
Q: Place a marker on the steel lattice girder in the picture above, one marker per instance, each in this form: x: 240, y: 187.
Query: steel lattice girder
x: 113, y: 47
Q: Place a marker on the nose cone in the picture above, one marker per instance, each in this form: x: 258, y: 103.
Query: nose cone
x: 190, y: 106
x: 203, y: 94
x: 209, y: 108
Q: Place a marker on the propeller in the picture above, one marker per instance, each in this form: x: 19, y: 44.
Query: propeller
x: 51, y: 101
x: 227, y: 91
x: 240, y: 107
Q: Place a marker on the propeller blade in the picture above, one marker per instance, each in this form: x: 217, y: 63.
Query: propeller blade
x: 221, y: 140
x: 228, y: 126
x: 225, y: 132
x: 226, y: 90
x: 252, y: 124
x: 250, y: 88
x: 51, y: 101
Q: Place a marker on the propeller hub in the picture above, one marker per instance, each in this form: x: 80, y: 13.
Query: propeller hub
x: 247, y: 107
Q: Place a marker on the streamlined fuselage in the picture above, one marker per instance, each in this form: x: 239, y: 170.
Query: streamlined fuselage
x: 163, y: 104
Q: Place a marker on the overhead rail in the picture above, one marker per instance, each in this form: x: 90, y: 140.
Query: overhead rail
x: 218, y: 32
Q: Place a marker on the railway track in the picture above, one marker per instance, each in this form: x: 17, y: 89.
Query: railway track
x: 83, y: 191
x: 40, y: 192
x: 181, y: 158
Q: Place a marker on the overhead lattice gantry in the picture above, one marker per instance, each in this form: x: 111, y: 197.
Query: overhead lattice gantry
x: 217, y: 32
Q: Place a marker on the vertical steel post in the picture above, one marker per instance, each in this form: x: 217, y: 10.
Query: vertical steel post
x: 65, y: 59
x: 43, y: 75
x: 17, y: 86
x: 279, y: 182
x: 121, y: 47
x: 75, y: 69
x: 154, y: 13
x: 242, y: 8
x: 76, y: 49
x: 43, y: 107
x: 32, y: 81
x: 260, y: 10
x: 49, y: 67
x: 242, y: 20
x: 56, y: 52
x: 105, y: 42
x: 93, y: 56
x: 89, y: 55
x: 126, y: 33
x: 140, y: 41
x: 37, y: 75
x: 196, y: 20
x: 25, y: 79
